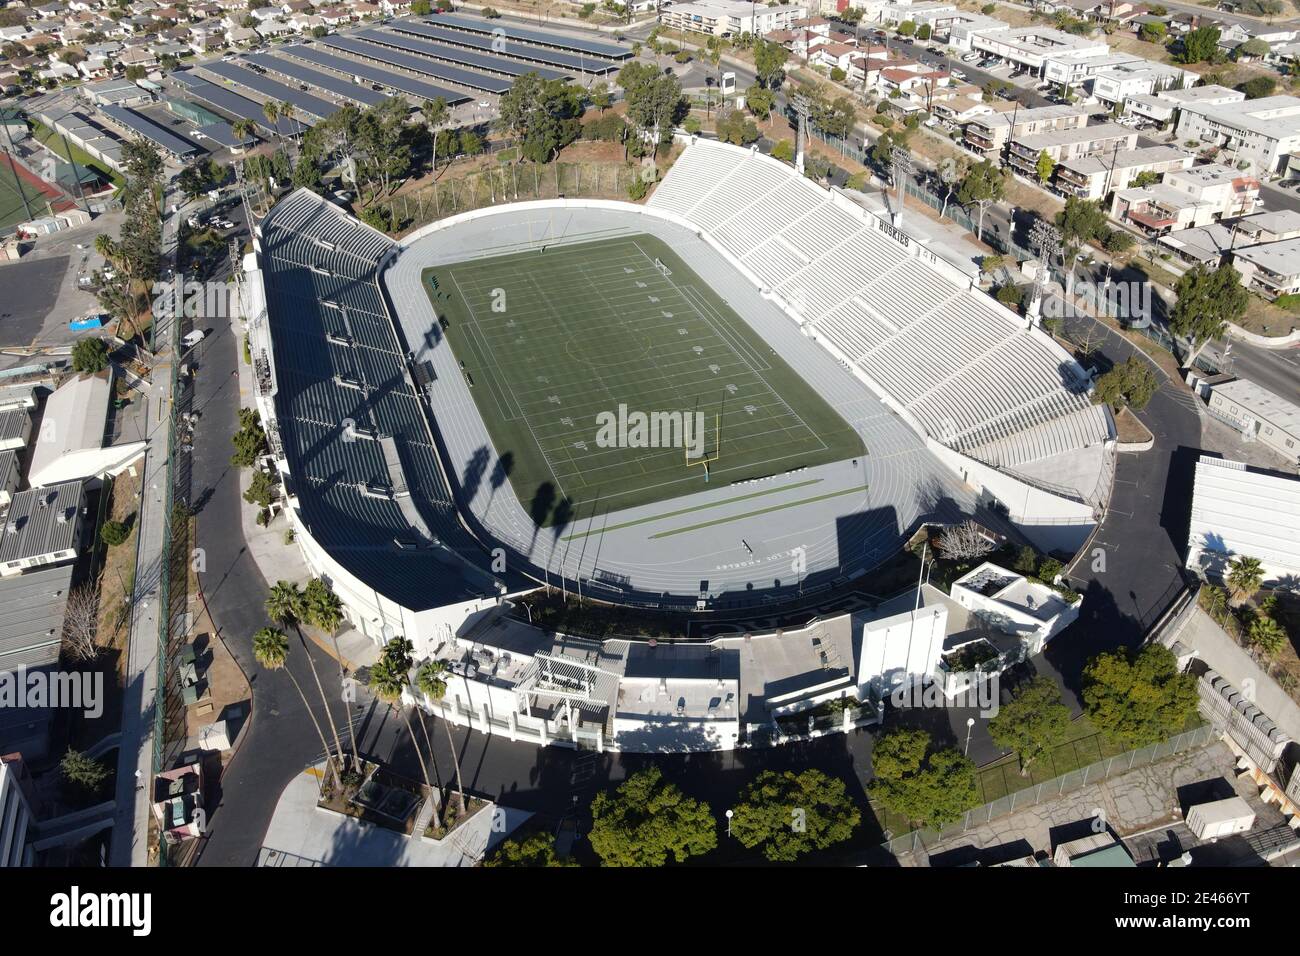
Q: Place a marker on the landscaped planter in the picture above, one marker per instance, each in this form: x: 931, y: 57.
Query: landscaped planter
x: 473, y: 806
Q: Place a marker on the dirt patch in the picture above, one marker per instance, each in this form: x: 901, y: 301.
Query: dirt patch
x: 117, y: 575
x: 1129, y: 430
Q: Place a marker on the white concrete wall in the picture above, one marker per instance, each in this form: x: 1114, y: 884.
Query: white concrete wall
x: 900, y: 650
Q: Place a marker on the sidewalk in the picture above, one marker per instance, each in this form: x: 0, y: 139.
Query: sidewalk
x: 278, y: 561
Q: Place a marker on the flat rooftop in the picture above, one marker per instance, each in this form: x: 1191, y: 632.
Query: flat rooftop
x: 1259, y: 400
x: 1271, y: 117
x: 1281, y: 258
x: 1082, y: 134
x: 1126, y: 159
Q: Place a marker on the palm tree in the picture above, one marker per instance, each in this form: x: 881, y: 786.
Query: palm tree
x: 1268, y: 635
x: 271, y: 110
x: 322, y: 608
x: 435, y: 114
x: 287, y: 112
x: 111, y: 252
x: 1245, y: 575
x: 284, y: 605
x: 389, y: 676
x: 242, y: 128
x: 271, y: 650
x: 432, y: 681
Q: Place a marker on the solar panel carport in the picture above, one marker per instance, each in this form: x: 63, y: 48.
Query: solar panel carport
x: 373, y: 74
x: 357, y: 92
x: 233, y: 103
x: 524, y: 34
x: 479, y: 61
x: 272, y: 89
x: 419, y: 64
x: 160, y: 136
x: 511, y: 48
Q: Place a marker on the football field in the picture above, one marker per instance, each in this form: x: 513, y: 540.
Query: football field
x: 594, y: 364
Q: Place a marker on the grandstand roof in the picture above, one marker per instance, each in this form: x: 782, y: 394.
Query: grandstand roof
x: 971, y: 373
x: 1238, y: 510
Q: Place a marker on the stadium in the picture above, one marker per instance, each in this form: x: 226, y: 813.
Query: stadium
x: 475, y: 410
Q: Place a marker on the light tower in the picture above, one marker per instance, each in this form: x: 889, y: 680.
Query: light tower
x: 802, y: 108
x: 900, y: 167
x: 1045, y: 241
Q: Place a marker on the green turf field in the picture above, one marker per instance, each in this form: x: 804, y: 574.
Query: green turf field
x: 11, y: 201
x: 553, y: 339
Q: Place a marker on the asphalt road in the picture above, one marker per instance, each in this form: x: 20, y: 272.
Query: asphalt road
x: 1277, y: 370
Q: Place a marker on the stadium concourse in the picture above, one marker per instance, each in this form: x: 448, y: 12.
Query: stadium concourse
x: 402, y: 501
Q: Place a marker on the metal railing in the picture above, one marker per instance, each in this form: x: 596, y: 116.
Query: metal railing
x: 1052, y: 789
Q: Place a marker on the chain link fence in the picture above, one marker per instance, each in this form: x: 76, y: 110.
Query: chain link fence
x: 1053, y: 789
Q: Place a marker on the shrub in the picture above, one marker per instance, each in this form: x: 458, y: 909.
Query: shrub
x: 90, y: 355
x: 637, y: 190
x: 1048, y: 569
x: 113, y: 533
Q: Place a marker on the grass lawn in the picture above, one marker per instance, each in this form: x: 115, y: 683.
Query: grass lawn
x: 551, y: 340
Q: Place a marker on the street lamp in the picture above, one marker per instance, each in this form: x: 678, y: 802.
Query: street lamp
x: 970, y: 725
x: 729, y: 815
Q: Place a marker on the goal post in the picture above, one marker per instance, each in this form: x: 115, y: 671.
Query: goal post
x: 705, y: 460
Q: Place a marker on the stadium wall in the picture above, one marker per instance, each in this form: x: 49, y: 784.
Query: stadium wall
x: 1051, y: 522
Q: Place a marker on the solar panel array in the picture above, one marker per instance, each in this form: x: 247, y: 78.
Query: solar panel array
x: 158, y: 135
x: 615, y: 51
x: 489, y: 63
x: 232, y: 103
x: 273, y: 89
x: 419, y: 64
x: 507, y: 47
x: 357, y: 92
x: 373, y: 74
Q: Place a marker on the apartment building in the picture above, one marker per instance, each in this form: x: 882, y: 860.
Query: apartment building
x: 1163, y: 105
x: 1187, y: 199
x: 723, y: 18
x: 1067, y: 144
x: 1261, y: 133
x: 989, y: 135
x: 1029, y: 48
x: 1095, y: 176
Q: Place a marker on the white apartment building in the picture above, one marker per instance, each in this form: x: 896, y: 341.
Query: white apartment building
x: 723, y: 18
x: 1093, y: 177
x: 1187, y: 199
x: 1031, y: 47
x: 1271, y: 268
x: 1161, y: 106
x: 1068, y: 144
x: 1261, y: 133
x: 1013, y: 604
x: 1115, y: 84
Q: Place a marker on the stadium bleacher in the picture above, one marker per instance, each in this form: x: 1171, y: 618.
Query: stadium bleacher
x: 971, y: 373
x: 340, y: 373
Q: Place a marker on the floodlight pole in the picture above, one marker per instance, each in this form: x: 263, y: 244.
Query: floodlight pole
x: 900, y: 165
x: 1045, y: 241
x: 799, y: 103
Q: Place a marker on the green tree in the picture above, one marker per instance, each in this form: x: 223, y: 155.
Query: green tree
x: 1244, y: 577
x: 1206, y: 302
x: 983, y: 184
x: 790, y: 814
x: 536, y: 851
x: 389, y: 676
x: 1253, y: 49
x: 1045, y: 167
x: 86, y: 772
x: 543, y: 115
x: 1130, y: 383
x: 249, y: 440
x: 1032, y: 723
x: 1138, y: 697
x: 261, y: 490
x: 435, y: 113
x: 923, y: 31
x: 760, y: 101
x: 784, y: 150
x: 113, y: 533
x: 90, y: 355
x: 1257, y: 87
x: 1153, y: 32
x: 271, y: 651
x: 1199, y: 46
x: 647, y: 821
x: 769, y: 63
x: 906, y: 28
x: 928, y: 788
x: 1268, y: 635
x: 431, y: 679
x: 654, y: 100
x: 322, y: 608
